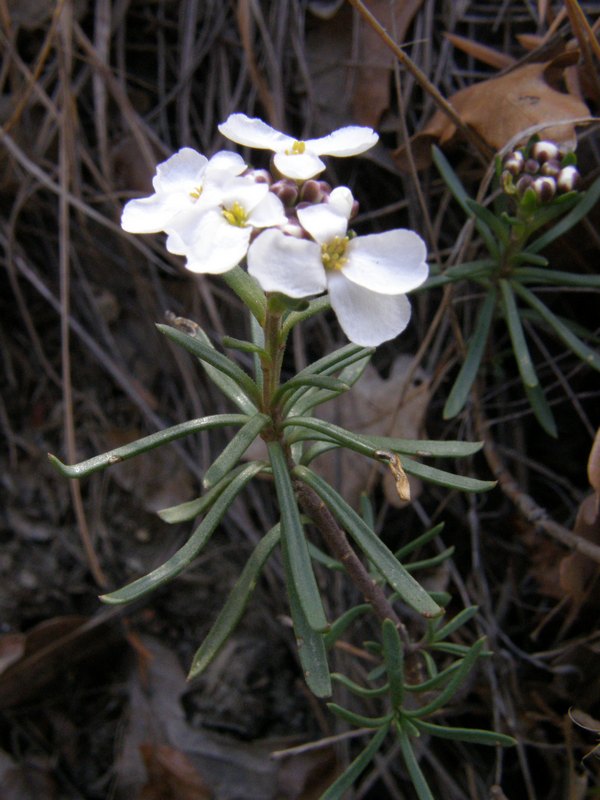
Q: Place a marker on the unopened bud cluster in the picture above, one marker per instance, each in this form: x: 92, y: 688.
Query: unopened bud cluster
x: 543, y: 170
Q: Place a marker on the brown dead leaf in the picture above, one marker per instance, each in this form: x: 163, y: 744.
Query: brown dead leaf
x: 501, y: 108
x: 171, y: 775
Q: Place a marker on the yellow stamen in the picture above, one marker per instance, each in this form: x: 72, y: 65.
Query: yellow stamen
x: 296, y: 149
x: 333, y: 253
x: 236, y: 215
x: 195, y: 193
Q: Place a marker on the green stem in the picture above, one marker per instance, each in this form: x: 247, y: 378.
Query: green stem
x: 271, y: 363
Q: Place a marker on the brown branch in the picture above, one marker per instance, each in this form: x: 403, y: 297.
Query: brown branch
x: 532, y: 512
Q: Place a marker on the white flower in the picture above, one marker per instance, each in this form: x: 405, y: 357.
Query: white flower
x: 367, y: 277
x: 217, y: 240
x: 293, y: 158
x: 187, y: 181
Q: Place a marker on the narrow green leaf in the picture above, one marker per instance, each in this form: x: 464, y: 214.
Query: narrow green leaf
x: 119, y: 454
x: 555, y: 277
x: 411, y: 592
x: 370, y: 445
x: 322, y: 558
x: 525, y: 257
x: 243, y: 346
x: 471, y: 735
x: 248, y: 290
x: 258, y: 338
x: 357, y: 689
x: 235, y: 605
x: 342, y: 623
x: 447, y: 479
x: 219, y: 366
x: 316, y: 450
x: 541, y: 408
x: 429, y: 563
x: 468, y: 372
x: 394, y: 662
x: 459, y: 192
x: 186, y: 554
x: 587, y: 202
x: 360, y: 720
x: 310, y: 643
x: 517, y: 336
x: 315, y: 307
x: 294, y: 542
x: 457, y: 622
x: 453, y: 684
x: 236, y: 448
x: 494, y: 223
x: 319, y: 381
x: 304, y: 399
x: 420, y: 541
x: 414, y: 770
x: 434, y: 682
x: 585, y: 353
x: 470, y: 270
x: 192, y: 508
x: 339, y: 789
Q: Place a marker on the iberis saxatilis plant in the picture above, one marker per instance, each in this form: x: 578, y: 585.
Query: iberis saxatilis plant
x: 294, y: 233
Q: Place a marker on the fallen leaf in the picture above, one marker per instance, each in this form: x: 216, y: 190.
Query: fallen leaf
x: 499, y: 109
x: 171, y: 775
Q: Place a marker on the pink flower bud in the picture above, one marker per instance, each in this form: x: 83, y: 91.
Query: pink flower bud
x: 544, y: 151
x: 531, y: 166
x: 311, y: 192
x: 514, y: 162
x: 551, y: 168
x: 545, y: 188
x: 286, y: 190
x: 523, y: 184
x: 568, y: 179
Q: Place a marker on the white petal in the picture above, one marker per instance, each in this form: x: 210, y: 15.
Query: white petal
x: 254, y: 133
x: 269, y: 212
x: 367, y: 318
x: 152, y: 214
x: 298, y: 166
x: 390, y: 263
x: 181, y: 171
x: 341, y: 201
x: 244, y: 191
x: 322, y: 223
x: 285, y: 264
x: 226, y: 161
x: 344, y: 142
x: 217, y: 246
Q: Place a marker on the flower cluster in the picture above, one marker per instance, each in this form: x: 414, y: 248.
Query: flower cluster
x: 546, y: 170
x: 292, y: 228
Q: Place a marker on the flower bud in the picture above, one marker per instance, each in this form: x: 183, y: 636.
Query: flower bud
x: 523, y: 184
x: 286, y: 190
x: 545, y: 188
x: 311, y: 192
x: 260, y: 176
x: 568, y: 179
x: 531, y: 166
x: 550, y: 167
x: 544, y: 151
x: 514, y: 162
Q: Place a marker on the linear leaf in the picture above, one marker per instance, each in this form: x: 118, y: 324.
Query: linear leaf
x: 186, y: 554
x: 472, y: 735
x: 248, y: 290
x: 235, y: 605
x: 243, y: 346
x: 587, y: 202
x: 457, y: 622
x: 119, y: 454
x: 183, y: 512
x: 360, y: 720
x: 421, y: 540
x: 468, y: 372
x: 394, y: 662
x: 494, y: 223
x: 216, y: 365
x: 294, y: 543
x: 447, y: 479
x: 339, y: 789
x: 342, y: 623
x: 585, y: 353
x: 312, y: 651
x: 453, y: 684
x: 236, y: 448
x: 357, y: 689
x: 471, y: 270
x: 414, y: 770
x: 541, y: 408
x: 411, y: 592
x: 555, y: 277
x: 315, y: 307
x: 517, y: 336
x: 460, y: 195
